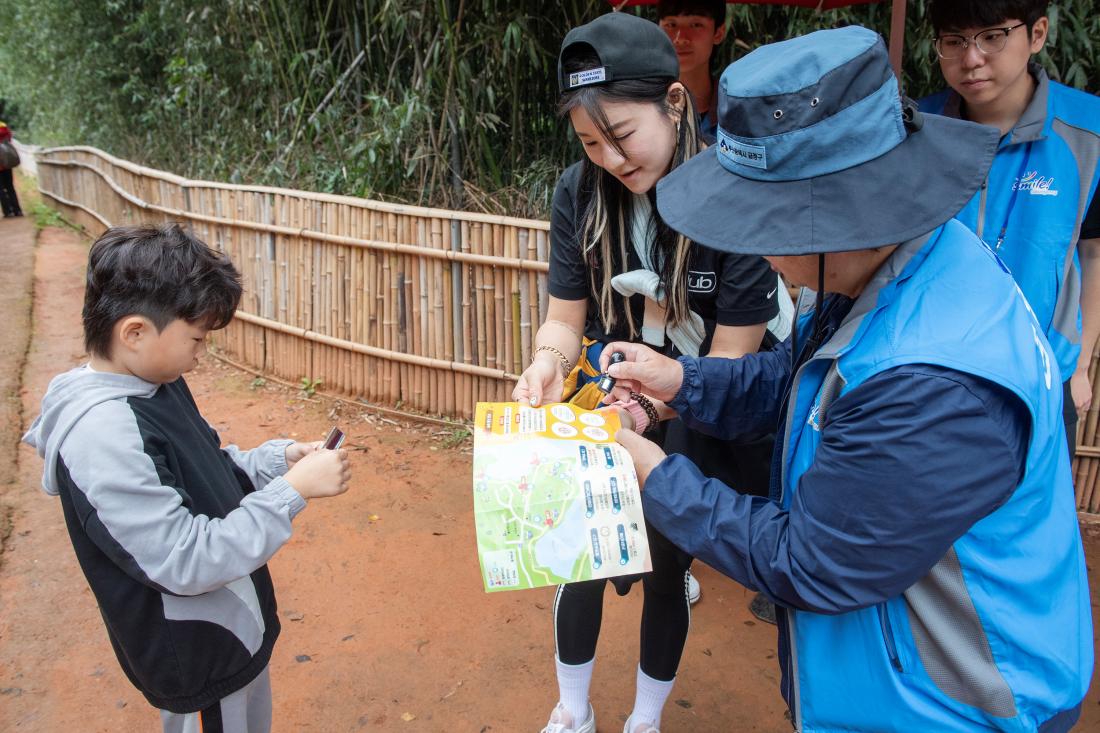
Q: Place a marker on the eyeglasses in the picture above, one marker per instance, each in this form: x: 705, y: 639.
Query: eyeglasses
x: 990, y: 41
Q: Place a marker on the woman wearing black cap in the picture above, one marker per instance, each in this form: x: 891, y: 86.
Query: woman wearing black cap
x: 617, y: 271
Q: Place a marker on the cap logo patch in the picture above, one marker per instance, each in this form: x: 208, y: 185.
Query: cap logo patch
x: 754, y: 156
x: 589, y: 76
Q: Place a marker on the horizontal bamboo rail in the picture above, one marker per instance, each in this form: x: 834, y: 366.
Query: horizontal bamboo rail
x: 421, y: 308
x: 373, y: 351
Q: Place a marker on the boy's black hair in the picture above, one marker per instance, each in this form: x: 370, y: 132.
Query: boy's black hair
x: 955, y: 14
x: 160, y: 272
x: 711, y: 8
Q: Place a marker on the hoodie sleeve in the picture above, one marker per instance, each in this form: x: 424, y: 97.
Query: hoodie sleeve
x: 264, y: 463
x: 129, y: 505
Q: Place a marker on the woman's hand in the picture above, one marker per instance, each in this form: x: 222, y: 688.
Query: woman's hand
x: 644, y: 371
x: 541, y: 382
x: 1081, y: 391
x: 625, y: 418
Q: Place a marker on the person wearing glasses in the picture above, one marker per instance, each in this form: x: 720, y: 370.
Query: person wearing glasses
x: 1038, y: 208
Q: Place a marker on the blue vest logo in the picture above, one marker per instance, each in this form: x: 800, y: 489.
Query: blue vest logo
x: 1035, y: 184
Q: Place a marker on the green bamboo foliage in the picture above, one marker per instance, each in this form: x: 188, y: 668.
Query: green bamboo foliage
x: 446, y: 103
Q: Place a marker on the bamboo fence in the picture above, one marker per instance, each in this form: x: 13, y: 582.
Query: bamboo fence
x: 428, y: 309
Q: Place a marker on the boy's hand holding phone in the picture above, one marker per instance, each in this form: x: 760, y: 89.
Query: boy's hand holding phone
x: 319, y: 469
x: 297, y: 451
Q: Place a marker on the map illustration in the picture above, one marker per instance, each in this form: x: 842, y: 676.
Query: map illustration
x: 556, y: 499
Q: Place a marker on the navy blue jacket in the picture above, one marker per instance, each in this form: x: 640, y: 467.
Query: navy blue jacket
x: 918, y: 409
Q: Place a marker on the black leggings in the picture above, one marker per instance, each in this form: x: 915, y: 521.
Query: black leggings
x: 9, y: 201
x: 666, y: 613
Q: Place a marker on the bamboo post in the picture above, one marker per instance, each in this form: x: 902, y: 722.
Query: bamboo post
x: 1085, y: 471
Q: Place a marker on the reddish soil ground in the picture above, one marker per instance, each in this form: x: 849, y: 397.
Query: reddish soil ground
x: 385, y: 624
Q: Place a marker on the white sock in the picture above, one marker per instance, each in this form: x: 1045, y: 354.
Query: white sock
x: 649, y: 700
x: 573, y: 683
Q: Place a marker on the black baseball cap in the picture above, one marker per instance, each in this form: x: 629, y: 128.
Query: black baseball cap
x: 628, y: 47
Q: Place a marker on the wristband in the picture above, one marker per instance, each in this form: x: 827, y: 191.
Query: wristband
x: 637, y: 413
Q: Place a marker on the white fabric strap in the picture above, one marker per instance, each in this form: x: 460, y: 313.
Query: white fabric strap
x: 687, y: 336
x: 780, y: 326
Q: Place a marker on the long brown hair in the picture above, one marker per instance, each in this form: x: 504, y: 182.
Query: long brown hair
x: 605, y: 221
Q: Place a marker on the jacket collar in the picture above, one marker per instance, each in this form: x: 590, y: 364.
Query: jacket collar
x: 1034, y: 123
x: 869, y: 300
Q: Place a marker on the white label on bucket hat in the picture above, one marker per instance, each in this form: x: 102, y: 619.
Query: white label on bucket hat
x: 590, y: 76
x: 741, y: 153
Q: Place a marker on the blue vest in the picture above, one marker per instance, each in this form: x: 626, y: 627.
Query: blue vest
x: 1037, y: 192
x: 998, y: 635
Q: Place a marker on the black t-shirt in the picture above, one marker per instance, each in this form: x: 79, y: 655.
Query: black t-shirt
x: 724, y: 289
x: 1090, y: 227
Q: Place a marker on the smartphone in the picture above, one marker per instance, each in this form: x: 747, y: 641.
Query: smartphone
x: 334, y: 439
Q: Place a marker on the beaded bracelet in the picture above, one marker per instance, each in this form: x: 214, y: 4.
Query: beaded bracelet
x: 566, y: 367
x: 650, y: 409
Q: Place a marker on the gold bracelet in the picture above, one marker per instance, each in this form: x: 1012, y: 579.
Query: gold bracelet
x: 566, y: 367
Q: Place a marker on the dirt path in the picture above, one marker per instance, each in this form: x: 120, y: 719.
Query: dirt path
x: 385, y: 624
x: 16, y: 281
x: 379, y: 590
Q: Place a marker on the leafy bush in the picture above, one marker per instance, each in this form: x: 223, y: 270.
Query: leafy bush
x: 438, y: 102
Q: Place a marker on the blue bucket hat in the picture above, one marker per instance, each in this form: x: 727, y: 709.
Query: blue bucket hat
x: 817, y: 152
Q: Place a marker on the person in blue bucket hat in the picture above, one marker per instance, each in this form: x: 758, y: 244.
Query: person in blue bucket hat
x: 921, y: 542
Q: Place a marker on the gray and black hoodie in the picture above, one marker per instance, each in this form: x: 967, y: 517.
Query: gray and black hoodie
x: 169, y: 529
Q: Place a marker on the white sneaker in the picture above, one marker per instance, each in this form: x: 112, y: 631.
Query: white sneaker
x: 694, y: 591
x: 642, y: 727
x: 561, y: 719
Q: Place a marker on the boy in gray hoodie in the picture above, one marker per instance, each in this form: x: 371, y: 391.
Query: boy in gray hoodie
x: 172, y: 531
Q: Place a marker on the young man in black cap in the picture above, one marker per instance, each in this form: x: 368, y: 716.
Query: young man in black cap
x: 922, y: 544
x: 696, y: 28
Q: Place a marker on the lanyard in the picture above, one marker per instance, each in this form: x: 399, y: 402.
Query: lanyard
x: 1015, y: 195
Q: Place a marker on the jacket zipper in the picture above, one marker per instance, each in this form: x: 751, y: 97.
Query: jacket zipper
x: 792, y: 673
x: 888, y: 637
x: 981, y: 209
x: 792, y: 401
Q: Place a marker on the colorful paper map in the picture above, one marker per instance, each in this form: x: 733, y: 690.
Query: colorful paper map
x: 556, y: 499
